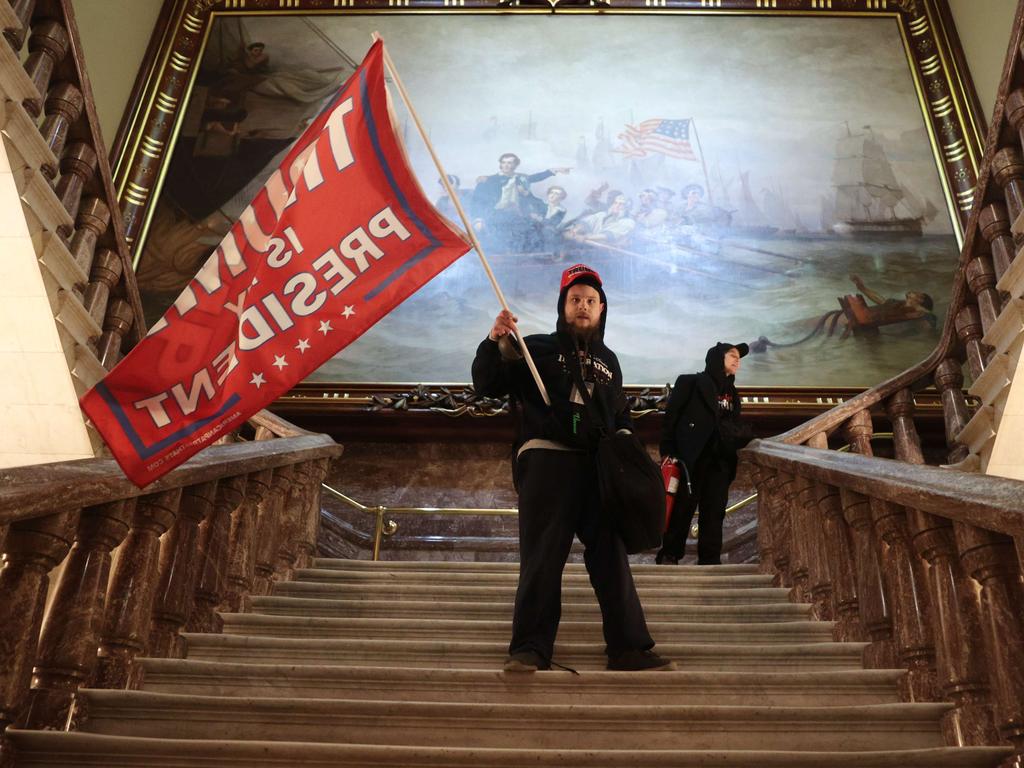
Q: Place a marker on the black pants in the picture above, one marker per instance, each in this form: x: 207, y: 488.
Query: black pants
x: 710, y: 480
x: 557, y: 499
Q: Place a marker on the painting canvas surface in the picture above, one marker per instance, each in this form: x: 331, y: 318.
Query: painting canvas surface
x: 761, y: 180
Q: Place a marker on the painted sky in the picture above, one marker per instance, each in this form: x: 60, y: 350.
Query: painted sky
x: 768, y: 95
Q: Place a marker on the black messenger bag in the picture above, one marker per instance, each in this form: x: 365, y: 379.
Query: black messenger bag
x: 630, y: 483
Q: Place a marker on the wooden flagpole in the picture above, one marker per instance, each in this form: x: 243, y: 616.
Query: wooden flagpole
x: 462, y: 215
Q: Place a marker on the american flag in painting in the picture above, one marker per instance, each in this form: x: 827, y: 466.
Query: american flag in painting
x: 666, y: 137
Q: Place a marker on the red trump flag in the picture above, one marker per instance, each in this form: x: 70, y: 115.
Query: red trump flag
x: 339, y: 235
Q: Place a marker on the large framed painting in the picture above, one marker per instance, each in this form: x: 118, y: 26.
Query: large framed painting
x: 788, y: 173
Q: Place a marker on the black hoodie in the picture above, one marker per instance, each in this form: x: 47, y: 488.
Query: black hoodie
x: 565, y: 422
x: 704, y: 408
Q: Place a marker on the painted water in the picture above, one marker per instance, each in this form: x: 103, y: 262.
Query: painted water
x: 665, y: 310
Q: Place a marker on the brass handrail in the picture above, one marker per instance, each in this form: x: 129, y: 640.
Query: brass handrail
x: 389, y: 527
x: 384, y: 527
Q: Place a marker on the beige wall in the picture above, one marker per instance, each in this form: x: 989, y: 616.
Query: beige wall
x: 114, y: 35
x: 984, y: 30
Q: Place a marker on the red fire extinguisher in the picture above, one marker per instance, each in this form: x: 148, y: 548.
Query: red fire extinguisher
x: 671, y: 470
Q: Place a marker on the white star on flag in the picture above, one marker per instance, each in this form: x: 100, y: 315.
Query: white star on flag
x: 258, y: 380
x: 325, y: 326
x: 349, y: 311
x: 279, y: 361
x: 303, y: 345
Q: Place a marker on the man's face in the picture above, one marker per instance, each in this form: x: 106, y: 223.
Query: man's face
x: 507, y: 165
x: 732, y: 361
x: 692, y: 197
x: 555, y: 196
x: 618, y: 204
x: 583, y: 308
x: 646, y: 198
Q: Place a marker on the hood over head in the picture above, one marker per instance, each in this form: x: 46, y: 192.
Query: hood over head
x: 714, y: 362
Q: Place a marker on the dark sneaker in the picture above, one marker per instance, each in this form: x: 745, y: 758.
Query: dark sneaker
x: 525, y: 661
x: 665, y: 559
x: 640, y: 661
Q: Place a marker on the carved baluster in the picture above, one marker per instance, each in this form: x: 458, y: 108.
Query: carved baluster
x: 92, y: 221
x: 23, y: 9
x: 76, y: 168
x: 116, y: 324
x: 839, y: 550
x: 904, y: 579
x: 782, y: 533
x: 949, y: 380
x: 858, y: 430
x: 800, y: 524
x: 213, y: 555
x: 959, y: 650
x: 132, y: 586
x: 33, y: 548
x: 288, y: 529
x: 968, y: 328
x: 1008, y: 168
x: 981, y: 278
x: 306, y: 474
x: 47, y: 47
x: 820, y: 582
x: 762, y: 477
x: 271, y: 527
x: 67, y: 647
x: 990, y: 559
x: 875, y: 614
x: 242, y: 540
x: 310, y: 532
x: 64, y: 105
x: 106, y: 271
x: 906, y: 441
x: 177, y: 573
x: 994, y: 223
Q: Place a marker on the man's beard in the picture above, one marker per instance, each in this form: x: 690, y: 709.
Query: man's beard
x: 585, y: 335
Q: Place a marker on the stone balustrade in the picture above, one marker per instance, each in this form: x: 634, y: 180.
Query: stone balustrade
x: 223, y: 526
x: 923, y: 564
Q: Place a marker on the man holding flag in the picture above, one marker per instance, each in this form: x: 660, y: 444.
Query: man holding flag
x: 339, y: 235
x: 555, y: 475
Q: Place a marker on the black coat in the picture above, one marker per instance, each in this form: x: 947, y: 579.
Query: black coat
x: 692, y: 419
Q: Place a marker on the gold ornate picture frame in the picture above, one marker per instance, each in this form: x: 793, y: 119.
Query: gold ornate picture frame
x: 153, y: 128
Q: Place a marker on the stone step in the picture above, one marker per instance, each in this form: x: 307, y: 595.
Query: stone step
x: 654, y: 578
x: 545, y: 726
x: 456, y: 566
x: 502, y: 610
x: 747, y: 633
x: 682, y: 595
x: 828, y: 688
x: 490, y: 655
x: 52, y: 749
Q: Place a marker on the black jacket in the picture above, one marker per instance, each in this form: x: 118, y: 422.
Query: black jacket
x: 693, y: 419
x: 564, y: 422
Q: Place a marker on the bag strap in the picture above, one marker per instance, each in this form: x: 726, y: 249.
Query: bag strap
x: 576, y: 369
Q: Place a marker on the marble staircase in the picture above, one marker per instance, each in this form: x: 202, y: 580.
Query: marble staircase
x: 358, y: 663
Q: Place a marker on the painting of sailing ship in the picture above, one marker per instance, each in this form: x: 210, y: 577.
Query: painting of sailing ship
x: 794, y: 207
x: 869, y: 201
